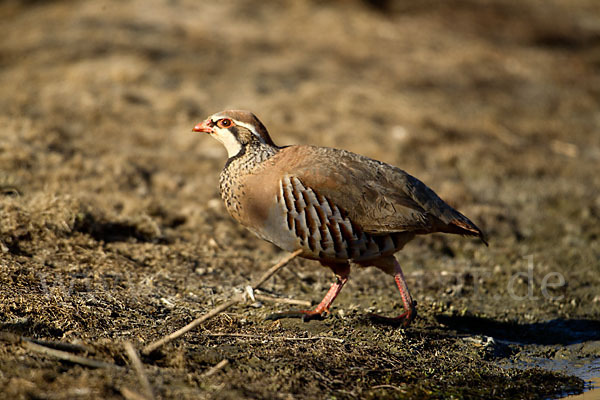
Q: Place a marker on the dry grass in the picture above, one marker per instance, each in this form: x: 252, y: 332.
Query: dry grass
x: 112, y: 229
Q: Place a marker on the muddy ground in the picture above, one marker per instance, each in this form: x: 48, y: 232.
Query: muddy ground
x: 112, y: 229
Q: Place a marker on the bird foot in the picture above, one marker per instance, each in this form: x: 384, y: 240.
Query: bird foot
x: 404, y: 319
x: 306, y: 315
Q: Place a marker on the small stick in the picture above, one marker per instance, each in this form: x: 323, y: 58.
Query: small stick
x: 314, y: 338
x: 63, y: 355
x: 139, y: 369
x: 275, y: 268
x: 290, y: 338
x: 131, y: 395
x: 42, y: 347
x: 389, y: 387
x: 70, y: 347
x: 222, y: 364
x: 236, y: 299
x: 263, y: 297
x: 222, y: 307
x: 240, y: 335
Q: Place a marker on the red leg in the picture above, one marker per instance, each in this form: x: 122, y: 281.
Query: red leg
x: 409, y: 304
x: 341, y: 274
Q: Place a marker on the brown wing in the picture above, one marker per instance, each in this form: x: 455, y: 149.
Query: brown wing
x: 377, y: 196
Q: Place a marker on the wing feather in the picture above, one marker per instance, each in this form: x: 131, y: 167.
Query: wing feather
x: 380, y: 198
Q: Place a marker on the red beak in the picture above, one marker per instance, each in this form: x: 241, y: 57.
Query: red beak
x: 204, y: 127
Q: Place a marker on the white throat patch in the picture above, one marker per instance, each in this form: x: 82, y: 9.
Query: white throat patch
x: 232, y: 145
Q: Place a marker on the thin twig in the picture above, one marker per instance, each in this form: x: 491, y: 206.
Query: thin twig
x: 275, y: 268
x: 215, y: 311
x: 70, y: 347
x: 38, y: 347
x: 263, y: 297
x: 166, y: 339
x: 63, y: 355
x: 389, y: 387
x: 289, y: 338
x: 313, y: 338
x: 139, y: 369
x: 131, y: 395
x: 240, y: 335
x: 222, y: 364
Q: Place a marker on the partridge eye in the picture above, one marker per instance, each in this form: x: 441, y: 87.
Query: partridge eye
x: 224, y: 123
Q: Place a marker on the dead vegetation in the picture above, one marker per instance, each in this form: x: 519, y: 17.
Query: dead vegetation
x: 112, y: 230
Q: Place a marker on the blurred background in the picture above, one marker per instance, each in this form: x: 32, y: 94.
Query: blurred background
x: 495, y: 104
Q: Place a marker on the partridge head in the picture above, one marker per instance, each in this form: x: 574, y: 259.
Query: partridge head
x: 337, y: 207
x: 236, y: 130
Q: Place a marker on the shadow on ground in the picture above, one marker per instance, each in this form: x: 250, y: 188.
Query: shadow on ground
x: 557, y: 331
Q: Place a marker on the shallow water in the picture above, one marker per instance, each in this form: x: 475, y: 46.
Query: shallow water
x: 592, y: 392
x: 587, y: 369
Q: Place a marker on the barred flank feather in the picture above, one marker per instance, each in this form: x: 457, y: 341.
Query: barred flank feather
x: 325, y: 230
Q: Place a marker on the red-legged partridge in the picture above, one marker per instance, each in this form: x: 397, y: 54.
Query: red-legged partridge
x: 336, y: 206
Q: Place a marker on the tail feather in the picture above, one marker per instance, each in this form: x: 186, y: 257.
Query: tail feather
x: 446, y: 219
x: 465, y: 227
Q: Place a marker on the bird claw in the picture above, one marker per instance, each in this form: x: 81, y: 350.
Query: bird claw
x: 305, y: 315
x: 404, y: 319
x: 314, y: 315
